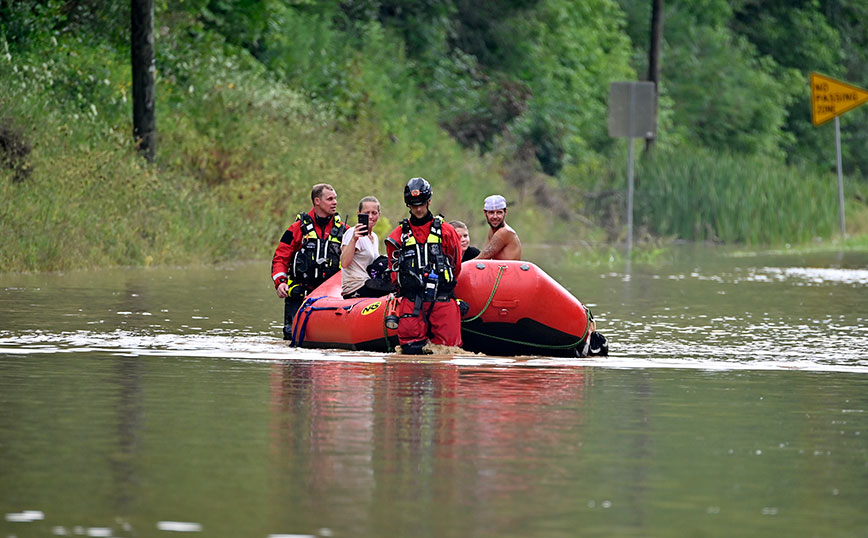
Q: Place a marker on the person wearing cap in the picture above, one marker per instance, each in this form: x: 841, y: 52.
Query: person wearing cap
x: 503, y: 243
x: 308, y: 252
x: 425, y: 257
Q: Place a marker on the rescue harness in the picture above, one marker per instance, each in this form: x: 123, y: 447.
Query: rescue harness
x: 318, y: 258
x: 425, y: 273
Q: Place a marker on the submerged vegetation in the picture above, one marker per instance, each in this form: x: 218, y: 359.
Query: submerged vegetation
x: 257, y: 101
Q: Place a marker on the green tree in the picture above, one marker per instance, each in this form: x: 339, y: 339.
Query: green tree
x: 575, y: 51
x: 806, y: 36
x: 725, y: 94
x: 541, y: 74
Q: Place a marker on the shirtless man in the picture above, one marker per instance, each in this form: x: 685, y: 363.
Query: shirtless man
x: 503, y: 243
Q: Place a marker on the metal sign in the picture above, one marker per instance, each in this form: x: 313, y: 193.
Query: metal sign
x: 631, y: 110
x: 830, y: 98
x: 631, y: 115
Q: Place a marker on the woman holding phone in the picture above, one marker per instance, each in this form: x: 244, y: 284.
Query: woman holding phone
x: 359, y: 248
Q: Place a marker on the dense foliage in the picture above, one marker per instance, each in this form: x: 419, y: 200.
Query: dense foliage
x: 257, y: 99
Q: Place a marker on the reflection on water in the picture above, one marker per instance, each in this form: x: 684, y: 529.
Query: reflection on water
x: 375, y: 449
x: 146, y: 402
x: 338, y: 448
x: 393, y: 436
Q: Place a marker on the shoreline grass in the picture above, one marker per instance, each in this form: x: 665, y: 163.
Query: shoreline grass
x: 734, y: 199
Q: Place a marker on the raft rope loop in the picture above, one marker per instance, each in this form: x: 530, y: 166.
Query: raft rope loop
x: 306, y: 310
x: 500, y: 271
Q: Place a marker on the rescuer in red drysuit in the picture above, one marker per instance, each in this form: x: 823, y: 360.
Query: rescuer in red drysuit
x: 424, y: 254
x: 308, y: 253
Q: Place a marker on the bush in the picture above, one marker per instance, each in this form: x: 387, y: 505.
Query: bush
x: 15, y: 149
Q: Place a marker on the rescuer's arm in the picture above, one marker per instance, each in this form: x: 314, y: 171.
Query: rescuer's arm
x: 288, y: 245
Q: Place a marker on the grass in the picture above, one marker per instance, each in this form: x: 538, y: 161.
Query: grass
x: 702, y: 196
x: 237, y: 156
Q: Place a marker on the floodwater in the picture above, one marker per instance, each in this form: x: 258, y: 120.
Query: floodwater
x: 156, y: 402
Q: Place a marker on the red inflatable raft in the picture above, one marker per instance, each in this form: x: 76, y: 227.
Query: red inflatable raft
x: 515, y: 309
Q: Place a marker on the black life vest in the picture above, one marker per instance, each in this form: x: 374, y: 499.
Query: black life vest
x: 416, y: 261
x: 318, y: 258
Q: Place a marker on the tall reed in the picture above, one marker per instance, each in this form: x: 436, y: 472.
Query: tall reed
x: 699, y: 195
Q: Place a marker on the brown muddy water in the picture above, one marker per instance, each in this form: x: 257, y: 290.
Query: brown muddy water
x: 156, y: 402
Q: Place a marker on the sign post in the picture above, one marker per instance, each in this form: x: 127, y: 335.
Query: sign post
x: 829, y: 99
x: 631, y: 115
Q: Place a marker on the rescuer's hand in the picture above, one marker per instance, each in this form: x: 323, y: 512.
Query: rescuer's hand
x: 282, y: 290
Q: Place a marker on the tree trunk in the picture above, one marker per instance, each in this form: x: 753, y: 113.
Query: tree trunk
x: 654, y: 59
x: 142, y: 47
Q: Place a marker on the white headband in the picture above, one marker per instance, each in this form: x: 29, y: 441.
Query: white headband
x: 495, y: 201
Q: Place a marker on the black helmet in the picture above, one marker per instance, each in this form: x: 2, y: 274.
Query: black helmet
x: 417, y: 191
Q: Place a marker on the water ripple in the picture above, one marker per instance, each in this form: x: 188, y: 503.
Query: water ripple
x: 668, y: 346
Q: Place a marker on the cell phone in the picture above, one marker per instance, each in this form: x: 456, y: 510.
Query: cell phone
x: 363, y: 219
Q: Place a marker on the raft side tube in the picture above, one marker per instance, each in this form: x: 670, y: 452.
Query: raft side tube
x: 516, y: 308
x: 327, y: 320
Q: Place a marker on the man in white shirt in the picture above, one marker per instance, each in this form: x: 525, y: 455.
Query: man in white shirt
x: 359, y: 248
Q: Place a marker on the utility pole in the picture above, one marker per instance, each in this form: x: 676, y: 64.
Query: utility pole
x: 654, y: 59
x: 142, y: 48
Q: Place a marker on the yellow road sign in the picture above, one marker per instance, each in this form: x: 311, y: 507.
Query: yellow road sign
x: 831, y: 97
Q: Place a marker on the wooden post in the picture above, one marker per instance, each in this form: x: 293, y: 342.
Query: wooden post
x: 142, y: 48
x: 654, y: 59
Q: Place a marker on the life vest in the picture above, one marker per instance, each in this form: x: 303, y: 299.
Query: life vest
x: 318, y: 258
x: 418, y: 261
